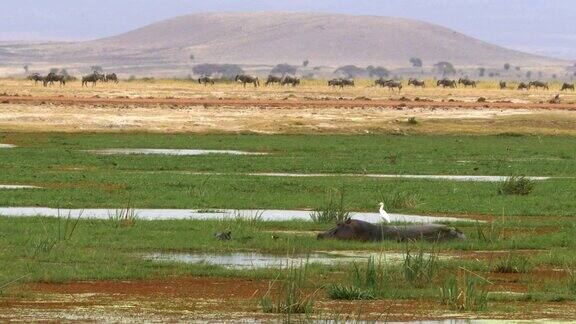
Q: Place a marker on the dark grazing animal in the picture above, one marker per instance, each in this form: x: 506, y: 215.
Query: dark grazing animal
x: 94, y: 78
x: 205, y: 80
x: 112, y: 77
x: 334, y: 82
x: 247, y: 79
x: 348, y: 83
x: 394, y: 85
x: 382, y: 82
x: 446, y: 83
x: 416, y: 83
x: 291, y: 80
x: 502, y: 85
x: 467, y: 82
x: 273, y: 79
x: 341, y: 83
x: 36, y: 77
x: 567, y: 86
x: 538, y: 84
x: 522, y: 86
x: 223, y: 236
x: 391, y: 84
x: 53, y: 77
x: 358, y: 230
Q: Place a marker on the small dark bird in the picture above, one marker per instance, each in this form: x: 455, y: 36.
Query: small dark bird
x: 223, y: 236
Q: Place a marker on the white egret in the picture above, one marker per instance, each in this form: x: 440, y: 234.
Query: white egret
x: 384, y: 214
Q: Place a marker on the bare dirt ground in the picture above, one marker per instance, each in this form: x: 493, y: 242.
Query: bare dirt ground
x: 262, y: 116
x: 224, y: 299
x: 178, y: 106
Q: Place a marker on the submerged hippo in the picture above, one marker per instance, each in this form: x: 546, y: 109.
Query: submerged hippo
x: 358, y: 230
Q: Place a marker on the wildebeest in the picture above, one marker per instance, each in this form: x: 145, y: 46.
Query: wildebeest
x: 53, y: 77
x: 273, y: 79
x: 467, y: 82
x: 247, y: 79
x: 538, y: 84
x: 446, y: 83
x: 567, y: 86
x: 205, y: 80
x: 522, y: 86
x: 94, y: 77
x: 36, y: 77
x: 347, y: 82
x: 416, y: 83
x: 382, y: 82
x: 394, y: 84
x: 391, y: 84
x: 341, y: 83
x: 358, y: 230
x: 112, y: 77
x: 502, y: 85
x: 291, y: 80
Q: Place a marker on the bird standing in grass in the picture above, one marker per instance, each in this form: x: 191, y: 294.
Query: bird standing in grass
x: 384, y: 214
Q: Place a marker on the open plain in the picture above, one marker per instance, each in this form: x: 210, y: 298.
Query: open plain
x: 518, y: 261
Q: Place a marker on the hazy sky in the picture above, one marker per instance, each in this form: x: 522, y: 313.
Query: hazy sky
x: 545, y: 27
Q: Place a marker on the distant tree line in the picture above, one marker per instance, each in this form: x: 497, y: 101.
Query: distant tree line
x: 225, y: 70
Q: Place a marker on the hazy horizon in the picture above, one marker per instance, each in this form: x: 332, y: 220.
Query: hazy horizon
x: 543, y: 27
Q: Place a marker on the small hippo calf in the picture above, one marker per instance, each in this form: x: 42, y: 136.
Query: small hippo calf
x: 358, y: 230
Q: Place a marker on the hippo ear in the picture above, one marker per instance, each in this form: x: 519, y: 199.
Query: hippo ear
x: 348, y: 220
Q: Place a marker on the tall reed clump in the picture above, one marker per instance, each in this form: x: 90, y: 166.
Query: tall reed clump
x: 401, y: 200
x: 420, y: 267
x: 488, y: 234
x: 571, y: 280
x: 512, y: 264
x: 464, y: 294
x: 292, y: 297
x: 368, y: 281
x: 516, y: 185
x: 66, y: 227
x: 333, y: 210
x: 124, y: 217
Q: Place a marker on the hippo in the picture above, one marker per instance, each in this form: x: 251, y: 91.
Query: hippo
x: 357, y: 230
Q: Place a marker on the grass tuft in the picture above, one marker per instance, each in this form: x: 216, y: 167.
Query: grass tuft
x: 292, y: 298
x: 123, y: 218
x: 420, y: 267
x: 463, y: 295
x: 401, y: 200
x: 333, y: 210
x: 349, y: 292
x: 512, y: 264
x: 516, y: 185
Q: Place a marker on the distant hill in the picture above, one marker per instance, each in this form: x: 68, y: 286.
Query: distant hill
x: 270, y: 38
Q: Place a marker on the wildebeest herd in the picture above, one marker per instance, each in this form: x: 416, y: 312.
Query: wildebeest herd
x: 62, y: 79
x: 95, y: 77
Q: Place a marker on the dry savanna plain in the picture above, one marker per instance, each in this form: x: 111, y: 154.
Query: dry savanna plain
x: 167, y: 200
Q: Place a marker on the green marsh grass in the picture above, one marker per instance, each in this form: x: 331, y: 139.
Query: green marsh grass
x: 122, y: 218
x: 333, y: 210
x: 62, y: 163
x: 419, y: 266
x: 512, y: 263
x: 401, y: 200
x: 516, y: 185
x: 464, y: 294
x: 292, y: 297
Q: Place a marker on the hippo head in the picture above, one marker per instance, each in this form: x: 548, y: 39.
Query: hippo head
x: 342, y: 231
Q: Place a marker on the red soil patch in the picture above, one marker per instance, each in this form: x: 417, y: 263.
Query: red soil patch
x: 192, y: 287
x: 207, y: 102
